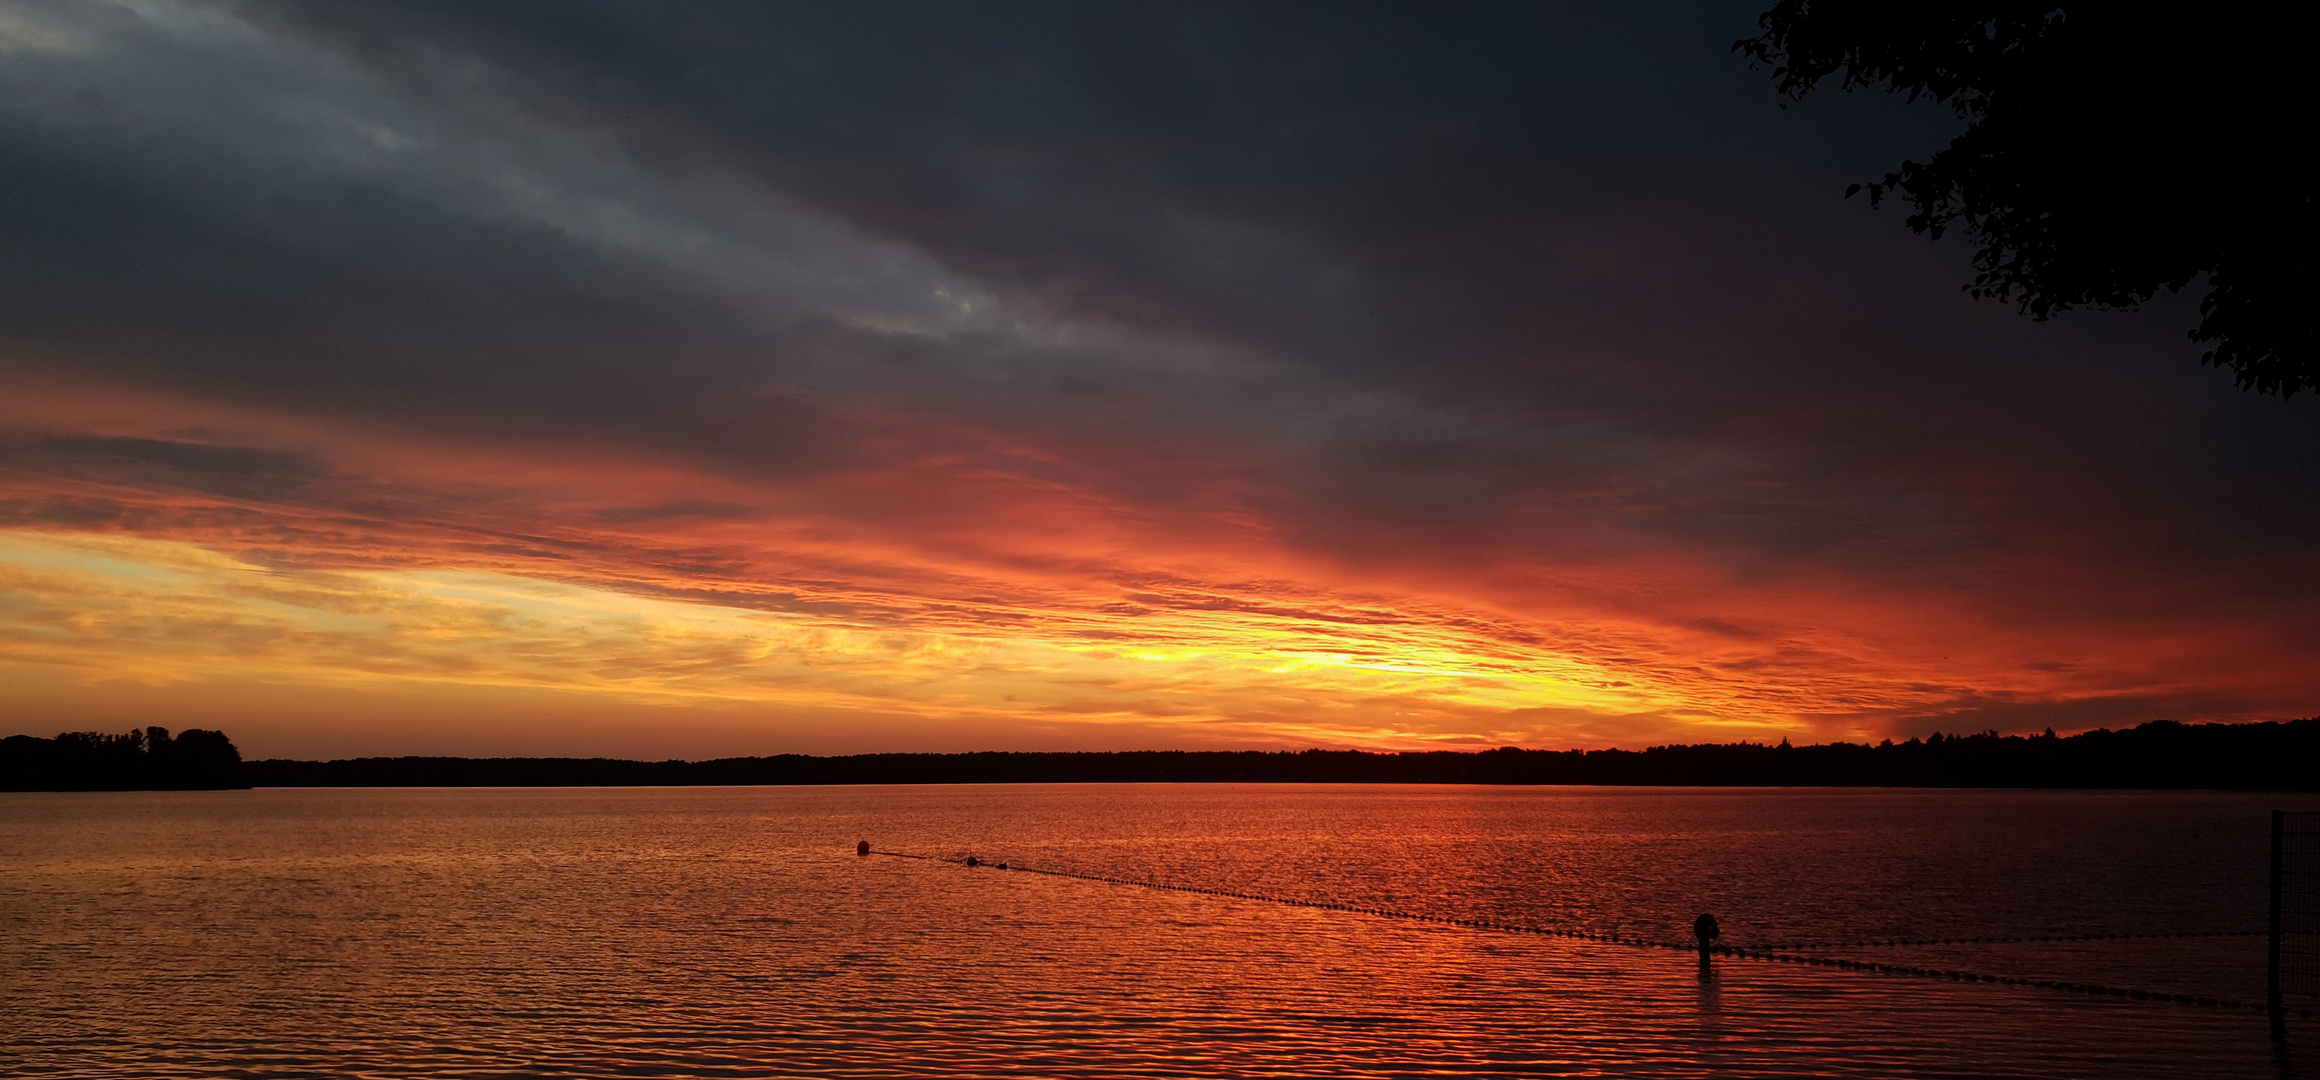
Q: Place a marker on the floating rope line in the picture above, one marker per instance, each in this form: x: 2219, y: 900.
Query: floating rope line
x: 2091, y: 989
x: 1794, y: 946
x: 1774, y: 954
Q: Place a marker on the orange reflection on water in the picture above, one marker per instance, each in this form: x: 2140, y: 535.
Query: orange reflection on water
x: 735, y: 932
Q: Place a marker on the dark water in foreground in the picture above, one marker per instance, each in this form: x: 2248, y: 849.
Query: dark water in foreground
x: 732, y: 932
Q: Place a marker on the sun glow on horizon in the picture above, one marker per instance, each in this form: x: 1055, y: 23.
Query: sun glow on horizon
x: 167, y: 612
x: 1285, y: 664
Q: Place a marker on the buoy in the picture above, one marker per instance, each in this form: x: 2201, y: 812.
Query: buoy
x: 862, y: 848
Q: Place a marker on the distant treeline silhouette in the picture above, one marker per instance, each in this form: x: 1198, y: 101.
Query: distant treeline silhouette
x: 133, y: 761
x: 2162, y: 754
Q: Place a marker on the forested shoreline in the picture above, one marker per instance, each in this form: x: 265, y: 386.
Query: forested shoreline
x: 2161, y: 754
x: 148, y: 760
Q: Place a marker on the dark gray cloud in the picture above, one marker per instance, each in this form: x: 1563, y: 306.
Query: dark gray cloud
x: 67, y: 512
x: 1439, y: 267
x: 682, y: 508
x: 156, y: 463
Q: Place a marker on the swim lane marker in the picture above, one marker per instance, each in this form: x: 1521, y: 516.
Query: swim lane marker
x: 1773, y: 954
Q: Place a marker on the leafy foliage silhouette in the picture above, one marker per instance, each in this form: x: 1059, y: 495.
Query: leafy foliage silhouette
x: 133, y: 761
x: 2110, y: 151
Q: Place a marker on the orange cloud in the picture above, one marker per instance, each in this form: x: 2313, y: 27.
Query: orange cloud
x: 945, y: 578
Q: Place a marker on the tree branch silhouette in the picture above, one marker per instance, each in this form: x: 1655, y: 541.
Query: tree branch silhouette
x: 2111, y: 151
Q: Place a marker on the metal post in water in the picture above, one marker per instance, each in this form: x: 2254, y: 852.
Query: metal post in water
x: 2272, y: 967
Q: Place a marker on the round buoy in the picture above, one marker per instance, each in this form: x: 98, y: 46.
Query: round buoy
x: 862, y: 848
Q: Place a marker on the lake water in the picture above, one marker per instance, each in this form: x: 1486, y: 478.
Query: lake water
x: 733, y: 932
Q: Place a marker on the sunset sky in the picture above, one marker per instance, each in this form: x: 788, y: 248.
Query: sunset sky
x: 692, y: 380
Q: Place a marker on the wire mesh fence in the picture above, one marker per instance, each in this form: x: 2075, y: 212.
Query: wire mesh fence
x: 2294, y: 974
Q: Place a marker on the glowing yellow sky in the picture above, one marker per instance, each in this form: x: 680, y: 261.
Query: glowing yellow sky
x: 983, y: 654
x: 165, y: 613
x: 323, y: 589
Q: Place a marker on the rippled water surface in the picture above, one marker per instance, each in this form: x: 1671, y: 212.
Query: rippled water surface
x: 733, y: 932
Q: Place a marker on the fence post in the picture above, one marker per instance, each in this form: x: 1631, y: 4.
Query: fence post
x: 2272, y: 967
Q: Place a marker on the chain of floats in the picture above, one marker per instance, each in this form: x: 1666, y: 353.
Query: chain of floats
x: 1900, y: 944
x: 1779, y: 954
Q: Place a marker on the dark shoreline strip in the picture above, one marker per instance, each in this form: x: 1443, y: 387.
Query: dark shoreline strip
x: 1771, y: 955
x: 2157, y: 755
